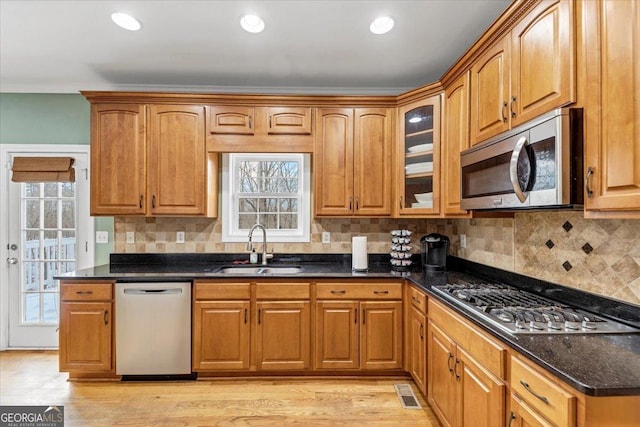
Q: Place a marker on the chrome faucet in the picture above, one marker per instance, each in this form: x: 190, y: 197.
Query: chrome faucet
x: 264, y: 242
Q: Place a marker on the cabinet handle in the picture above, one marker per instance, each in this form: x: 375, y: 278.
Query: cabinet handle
x: 364, y: 316
x: 245, y: 316
x: 350, y: 202
x: 421, y: 331
x: 512, y: 417
x: 355, y: 312
x: 513, y: 113
x: 140, y: 202
x: 455, y: 369
x: 357, y: 204
x: 270, y: 121
x: 259, y: 313
x: 587, y: 182
x: 504, y: 117
x: 530, y: 390
x: 400, y: 202
x: 338, y: 292
x: 84, y: 292
x: 449, y: 363
x: 153, y: 201
x: 381, y: 292
x: 106, y: 317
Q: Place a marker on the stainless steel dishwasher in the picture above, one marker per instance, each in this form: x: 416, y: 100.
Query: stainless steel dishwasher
x: 153, y: 328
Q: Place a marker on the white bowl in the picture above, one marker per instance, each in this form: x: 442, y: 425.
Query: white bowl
x: 424, y: 197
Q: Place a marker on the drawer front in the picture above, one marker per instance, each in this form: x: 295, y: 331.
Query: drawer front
x: 222, y: 291
x: 489, y: 353
x: 541, y: 394
x: 86, y: 291
x: 345, y: 290
x: 283, y: 290
x: 418, y: 299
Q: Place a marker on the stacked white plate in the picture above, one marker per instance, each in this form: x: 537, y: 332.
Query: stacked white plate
x: 420, y: 148
x: 424, y: 200
x: 422, y: 167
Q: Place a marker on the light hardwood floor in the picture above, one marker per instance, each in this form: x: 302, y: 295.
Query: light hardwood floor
x: 32, y: 378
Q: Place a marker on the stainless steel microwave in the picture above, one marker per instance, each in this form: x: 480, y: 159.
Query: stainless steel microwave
x: 536, y: 165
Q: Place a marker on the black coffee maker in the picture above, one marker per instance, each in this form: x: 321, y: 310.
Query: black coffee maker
x: 435, y: 248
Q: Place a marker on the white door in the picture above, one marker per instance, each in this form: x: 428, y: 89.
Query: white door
x: 49, y: 232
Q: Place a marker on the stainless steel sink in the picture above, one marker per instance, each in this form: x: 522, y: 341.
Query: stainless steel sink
x: 260, y: 270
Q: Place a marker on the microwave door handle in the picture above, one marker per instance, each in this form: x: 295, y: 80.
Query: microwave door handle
x: 513, y: 169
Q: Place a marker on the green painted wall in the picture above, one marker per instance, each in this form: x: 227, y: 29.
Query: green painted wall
x: 36, y: 118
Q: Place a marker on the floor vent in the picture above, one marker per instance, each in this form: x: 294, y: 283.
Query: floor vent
x: 407, y: 398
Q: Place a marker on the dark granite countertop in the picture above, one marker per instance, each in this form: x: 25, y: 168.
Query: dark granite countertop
x: 594, y: 364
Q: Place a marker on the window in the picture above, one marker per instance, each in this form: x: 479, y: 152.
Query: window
x: 268, y: 189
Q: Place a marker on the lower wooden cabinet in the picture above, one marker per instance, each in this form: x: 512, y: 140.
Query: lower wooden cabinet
x: 416, y: 339
x: 86, y: 328
x: 523, y: 416
x: 282, y: 332
x: 359, y: 335
x: 221, y: 335
x: 462, y: 390
x: 221, y: 329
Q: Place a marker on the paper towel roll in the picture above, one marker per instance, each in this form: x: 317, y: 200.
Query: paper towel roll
x: 359, y: 259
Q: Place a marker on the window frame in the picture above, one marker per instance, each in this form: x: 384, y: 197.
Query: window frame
x: 229, y: 200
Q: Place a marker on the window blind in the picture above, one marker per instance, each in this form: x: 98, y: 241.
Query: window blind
x: 43, y: 169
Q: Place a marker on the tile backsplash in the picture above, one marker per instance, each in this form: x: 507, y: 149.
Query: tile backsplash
x: 598, y: 256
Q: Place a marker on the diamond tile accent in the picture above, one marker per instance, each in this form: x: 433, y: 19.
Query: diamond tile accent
x: 567, y: 265
x: 567, y: 226
x: 550, y: 244
x: 587, y: 248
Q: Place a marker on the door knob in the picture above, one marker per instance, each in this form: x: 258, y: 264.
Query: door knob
x: 12, y: 260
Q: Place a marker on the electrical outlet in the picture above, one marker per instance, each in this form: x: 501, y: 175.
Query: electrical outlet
x: 180, y: 237
x: 326, y: 237
x: 131, y: 236
x: 463, y: 241
x: 102, y: 237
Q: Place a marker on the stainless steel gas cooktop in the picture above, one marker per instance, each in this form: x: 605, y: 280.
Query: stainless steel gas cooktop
x: 521, y: 312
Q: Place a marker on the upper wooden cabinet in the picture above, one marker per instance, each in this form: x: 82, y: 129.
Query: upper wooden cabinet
x: 151, y: 160
x: 352, y: 162
x: 176, y: 167
x: 529, y: 71
x: 418, y: 159
x: 232, y: 120
x: 455, y: 139
x: 232, y: 128
x: 118, y: 159
x: 612, y: 112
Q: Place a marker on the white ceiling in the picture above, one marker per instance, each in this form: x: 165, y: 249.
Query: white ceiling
x: 308, y: 46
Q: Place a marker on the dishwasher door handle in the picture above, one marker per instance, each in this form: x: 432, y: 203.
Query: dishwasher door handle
x: 153, y: 291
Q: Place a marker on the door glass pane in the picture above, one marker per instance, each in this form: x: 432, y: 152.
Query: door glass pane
x: 50, y: 307
x: 31, y: 279
x: 48, y: 225
x: 50, y: 189
x: 68, y: 214
x: 50, y: 214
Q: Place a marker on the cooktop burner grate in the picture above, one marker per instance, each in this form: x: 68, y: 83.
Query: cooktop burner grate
x: 518, y: 311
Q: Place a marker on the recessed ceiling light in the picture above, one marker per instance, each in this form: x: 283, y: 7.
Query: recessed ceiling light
x: 125, y: 21
x: 381, y: 25
x: 252, y: 23
x: 415, y: 119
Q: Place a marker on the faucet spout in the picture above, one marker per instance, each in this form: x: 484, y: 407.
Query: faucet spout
x: 264, y: 241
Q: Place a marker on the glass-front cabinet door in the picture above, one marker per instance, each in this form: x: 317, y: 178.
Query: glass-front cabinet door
x: 419, y: 158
